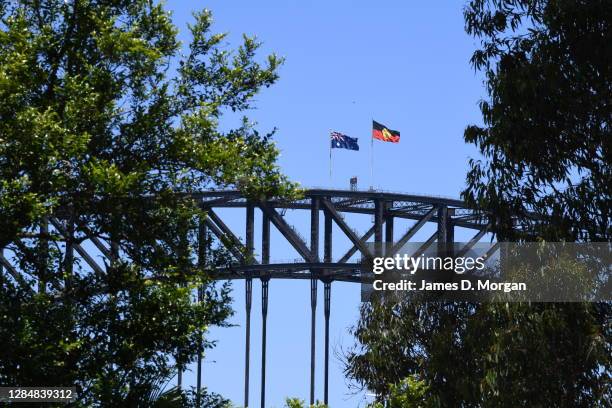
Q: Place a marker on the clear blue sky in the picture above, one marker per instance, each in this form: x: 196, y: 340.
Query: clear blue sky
x: 405, y: 64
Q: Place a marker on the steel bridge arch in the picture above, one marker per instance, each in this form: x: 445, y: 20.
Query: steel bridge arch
x: 384, y: 207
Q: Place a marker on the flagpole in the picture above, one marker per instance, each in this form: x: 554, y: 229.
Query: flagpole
x: 330, y: 160
x: 372, y: 160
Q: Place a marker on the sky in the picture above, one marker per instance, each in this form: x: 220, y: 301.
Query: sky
x: 404, y: 64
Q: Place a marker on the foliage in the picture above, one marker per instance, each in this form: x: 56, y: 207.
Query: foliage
x: 105, y: 125
x: 298, y: 403
x: 408, y: 393
x: 206, y: 399
x: 546, y: 133
x: 483, y: 354
x: 545, y: 172
x: 162, y: 396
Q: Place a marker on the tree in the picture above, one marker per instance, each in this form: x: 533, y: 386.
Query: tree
x: 408, y: 393
x: 429, y: 353
x: 107, y: 129
x: 545, y: 174
x: 545, y: 141
x: 298, y: 403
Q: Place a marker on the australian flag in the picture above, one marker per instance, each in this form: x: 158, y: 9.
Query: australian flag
x: 340, y: 141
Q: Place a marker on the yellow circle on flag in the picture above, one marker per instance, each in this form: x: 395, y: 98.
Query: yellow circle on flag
x: 386, y: 134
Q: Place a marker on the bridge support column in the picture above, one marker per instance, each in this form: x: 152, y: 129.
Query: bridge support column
x: 264, y: 317
x: 327, y: 239
x: 202, y: 253
x: 388, y: 231
x: 114, y: 250
x: 182, y: 251
x: 327, y: 257
x: 248, y: 291
x: 43, y: 254
x: 179, y: 379
x: 445, y: 235
x: 442, y: 224
x: 314, y: 249
x: 69, y: 256
x: 265, y: 259
x: 327, y: 310
x: 450, y: 232
x: 378, y: 223
x: 313, y: 310
x: 200, y: 355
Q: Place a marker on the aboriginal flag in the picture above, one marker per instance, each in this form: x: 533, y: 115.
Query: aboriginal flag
x: 381, y: 132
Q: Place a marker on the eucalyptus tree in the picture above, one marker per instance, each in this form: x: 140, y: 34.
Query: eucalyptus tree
x: 545, y: 166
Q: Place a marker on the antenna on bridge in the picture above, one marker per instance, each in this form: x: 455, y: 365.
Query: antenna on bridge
x: 354, y: 183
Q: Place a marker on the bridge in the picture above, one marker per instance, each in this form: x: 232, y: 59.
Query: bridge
x: 328, y: 206
x: 331, y: 205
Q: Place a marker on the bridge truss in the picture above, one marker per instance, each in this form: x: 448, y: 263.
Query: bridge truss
x: 332, y: 205
x: 314, y: 265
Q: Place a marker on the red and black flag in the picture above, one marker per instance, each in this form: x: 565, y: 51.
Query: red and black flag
x: 381, y: 132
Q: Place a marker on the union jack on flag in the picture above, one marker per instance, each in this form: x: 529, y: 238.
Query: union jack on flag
x: 341, y: 141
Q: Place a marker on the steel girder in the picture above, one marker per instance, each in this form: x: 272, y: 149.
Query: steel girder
x: 384, y: 207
